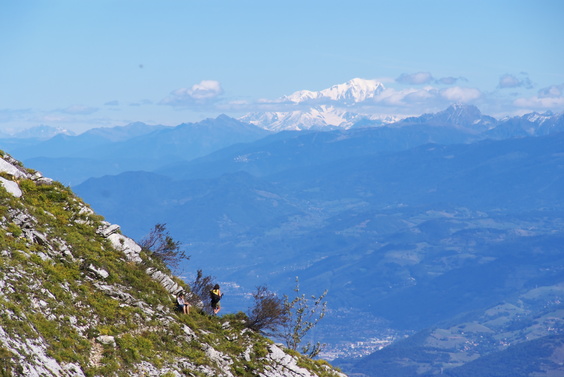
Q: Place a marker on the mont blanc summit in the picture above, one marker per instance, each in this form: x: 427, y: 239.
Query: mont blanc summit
x: 352, y: 92
x: 334, y: 107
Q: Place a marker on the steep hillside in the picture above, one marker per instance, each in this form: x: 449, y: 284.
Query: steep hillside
x: 78, y: 298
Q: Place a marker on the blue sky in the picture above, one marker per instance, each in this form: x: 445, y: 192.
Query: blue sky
x: 80, y: 64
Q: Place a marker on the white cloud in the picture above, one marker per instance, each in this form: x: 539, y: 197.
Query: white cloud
x: 394, y: 97
x: 556, y: 103
x: 206, y: 89
x: 551, y: 97
x: 450, y: 80
x: 418, y: 78
x: 552, y: 91
x: 460, y: 94
x: 424, y: 95
x: 429, y: 96
x: 204, y: 92
x: 412, y: 99
x: 400, y: 100
x: 510, y: 81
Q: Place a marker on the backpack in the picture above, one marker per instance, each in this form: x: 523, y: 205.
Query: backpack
x: 214, y: 296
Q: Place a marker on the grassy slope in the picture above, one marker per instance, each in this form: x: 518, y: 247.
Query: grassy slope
x: 51, y: 300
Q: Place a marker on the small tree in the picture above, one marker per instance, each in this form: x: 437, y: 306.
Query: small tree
x: 268, y: 314
x: 201, y: 288
x: 163, y: 247
x: 303, y: 315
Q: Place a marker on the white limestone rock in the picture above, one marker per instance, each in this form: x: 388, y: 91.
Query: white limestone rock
x: 11, y: 169
x: 220, y: 359
x: 99, y: 272
x: 281, y: 364
x: 107, y: 229
x: 107, y: 340
x: 166, y: 281
x: 12, y: 187
x: 127, y: 246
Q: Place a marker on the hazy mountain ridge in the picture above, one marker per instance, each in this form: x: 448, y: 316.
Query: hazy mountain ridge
x: 533, y: 124
x: 41, y: 133
x: 455, y: 125
x: 126, y: 132
x: 465, y: 117
x: 138, y: 146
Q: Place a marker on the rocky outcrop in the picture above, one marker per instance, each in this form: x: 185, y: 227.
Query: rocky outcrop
x: 11, y: 186
x: 280, y: 364
x: 130, y: 249
x: 13, y: 168
x: 166, y: 281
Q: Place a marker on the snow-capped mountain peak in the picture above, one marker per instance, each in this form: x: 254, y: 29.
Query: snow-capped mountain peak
x: 353, y: 91
x: 538, y: 117
x: 325, y: 109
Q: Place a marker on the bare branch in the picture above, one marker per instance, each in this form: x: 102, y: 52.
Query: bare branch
x: 302, y: 317
x: 163, y: 247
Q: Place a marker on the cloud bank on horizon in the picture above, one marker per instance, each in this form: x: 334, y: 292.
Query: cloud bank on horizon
x: 96, y: 64
x: 420, y: 92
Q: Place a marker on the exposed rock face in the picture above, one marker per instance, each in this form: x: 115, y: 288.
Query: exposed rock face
x: 79, y: 298
x: 166, y: 281
x: 11, y: 167
x: 129, y: 248
x: 280, y: 364
x: 11, y: 187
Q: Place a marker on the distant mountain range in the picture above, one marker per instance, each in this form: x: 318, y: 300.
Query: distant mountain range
x: 40, y: 133
x: 345, y: 106
x: 340, y: 106
x: 138, y: 146
x: 101, y: 151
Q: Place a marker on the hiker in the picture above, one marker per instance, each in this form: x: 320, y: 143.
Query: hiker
x: 183, y: 304
x: 216, y: 295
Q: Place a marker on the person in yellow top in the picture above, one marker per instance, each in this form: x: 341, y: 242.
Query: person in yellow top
x: 216, y: 295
